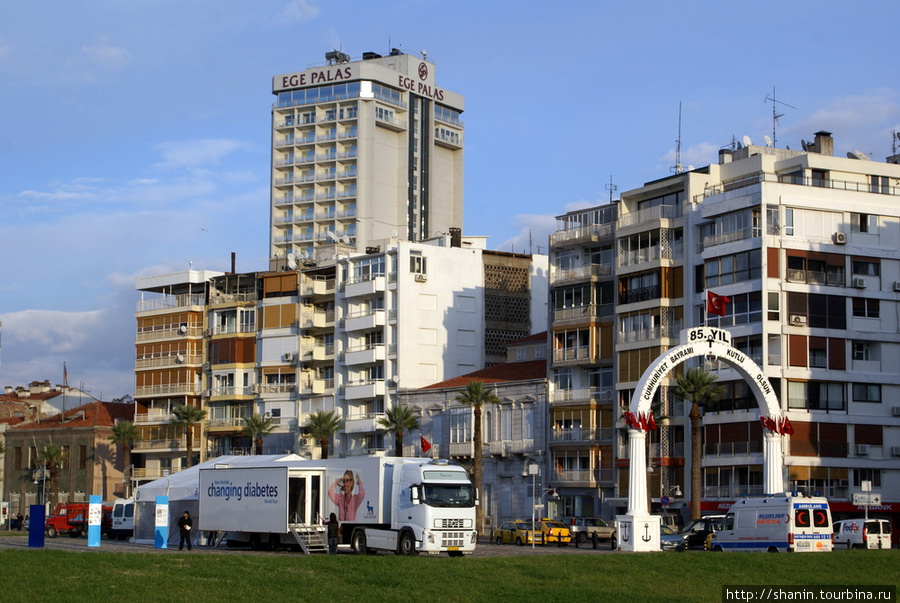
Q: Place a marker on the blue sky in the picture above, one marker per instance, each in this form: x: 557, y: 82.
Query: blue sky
x: 135, y: 135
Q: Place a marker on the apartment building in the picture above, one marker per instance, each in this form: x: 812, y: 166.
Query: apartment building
x: 363, y: 151
x: 170, y: 352
x: 804, y: 244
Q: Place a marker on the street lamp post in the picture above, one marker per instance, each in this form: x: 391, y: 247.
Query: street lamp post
x: 533, y: 470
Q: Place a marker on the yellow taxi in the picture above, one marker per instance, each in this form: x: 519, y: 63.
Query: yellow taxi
x: 549, y: 531
x: 514, y: 532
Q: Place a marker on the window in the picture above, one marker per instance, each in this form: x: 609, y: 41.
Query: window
x: 866, y: 268
x: 521, y: 354
x: 862, y: 350
x: 863, y: 222
x: 788, y: 221
x: 460, y: 425
x: 17, y: 463
x: 871, y: 475
x: 562, y: 378
x: 816, y: 395
x: 733, y: 269
x: 82, y: 457
x: 384, y: 114
x: 866, y: 392
x: 865, y: 307
x: 774, y: 304
x: 506, y: 423
x: 417, y: 263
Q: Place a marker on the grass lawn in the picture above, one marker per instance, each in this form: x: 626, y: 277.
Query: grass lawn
x: 45, y: 575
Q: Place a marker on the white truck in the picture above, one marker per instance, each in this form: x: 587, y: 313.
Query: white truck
x: 785, y: 522
x: 402, y: 505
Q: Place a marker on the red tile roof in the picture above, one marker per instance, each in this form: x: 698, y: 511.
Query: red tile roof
x: 508, y: 371
x: 542, y: 336
x: 95, y: 414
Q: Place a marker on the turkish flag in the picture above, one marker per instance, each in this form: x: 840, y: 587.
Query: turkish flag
x: 786, y: 427
x: 651, y: 422
x: 425, y: 445
x: 716, y: 304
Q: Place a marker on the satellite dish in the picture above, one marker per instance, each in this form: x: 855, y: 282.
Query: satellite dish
x: 395, y: 379
x: 804, y: 144
x: 768, y: 140
x: 345, y: 240
x: 292, y: 261
x: 739, y: 145
x: 747, y: 141
x: 331, y: 235
x: 858, y: 155
x: 690, y: 168
x: 394, y: 234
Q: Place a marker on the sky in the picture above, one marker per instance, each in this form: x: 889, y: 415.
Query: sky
x: 135, y: 136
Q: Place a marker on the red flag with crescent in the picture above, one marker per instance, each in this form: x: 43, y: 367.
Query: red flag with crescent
x: 651, y: 422
x: 425, y: 445
x: 716, y: 304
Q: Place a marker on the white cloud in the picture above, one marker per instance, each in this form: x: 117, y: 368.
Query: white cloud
x: 109, y: 58
x: 192, y: 153
x: 300, y: 11
x: 534, y: 234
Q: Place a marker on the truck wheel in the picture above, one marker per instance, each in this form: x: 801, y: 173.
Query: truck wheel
x: 51, y: 532
x: 358, y: 542
x: 519, y: 541
x: 407, y: 544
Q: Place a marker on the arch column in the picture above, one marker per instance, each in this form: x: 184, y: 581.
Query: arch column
x: 637, y: 529
x: 773, y: 463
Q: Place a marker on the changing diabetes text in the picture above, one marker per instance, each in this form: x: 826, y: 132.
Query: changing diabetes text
x: 229, y: 491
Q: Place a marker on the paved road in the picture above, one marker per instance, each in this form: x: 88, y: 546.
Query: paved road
x: 64, y: 543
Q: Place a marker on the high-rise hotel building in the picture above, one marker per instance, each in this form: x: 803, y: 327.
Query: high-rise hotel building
x: 363, y: 151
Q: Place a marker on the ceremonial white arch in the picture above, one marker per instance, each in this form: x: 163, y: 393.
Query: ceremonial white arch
x: 637, y: 525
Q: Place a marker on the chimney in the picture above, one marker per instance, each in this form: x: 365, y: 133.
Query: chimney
x: 233, y: 257
x: 455, y: 237
x: 824, y: 143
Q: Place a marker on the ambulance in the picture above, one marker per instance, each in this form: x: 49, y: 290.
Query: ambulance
x: 779, y: 523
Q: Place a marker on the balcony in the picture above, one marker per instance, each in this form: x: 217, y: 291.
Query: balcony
x: 165, y: 445
x: 172, y: 389
x: 584, y: 477
x: 169, y: 332
x: 278, y: 389
x: 231, y: 392
x: 322, y: 352
x: 645, y: 217
x: 366, y: 285
x: 730, y: 237
x: 579, y: 354
x: 170, y: 302
x: 507, y: 447
x: 465, y: 449
x: 588, y: 435
x: 363, y: 321
x: 584, y: 234
x: 558, y: 275
x: 154, y: 417
x: 365, y: 354
x: 316, y: 285
x: 168, y: 360
x: 316, y: 319
x: 360, y: 390
x: 141, y: 473
x: 362, y: 423
x: 583, y: 395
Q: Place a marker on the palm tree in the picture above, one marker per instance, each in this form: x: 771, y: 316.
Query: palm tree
x: 399, y: 420
x: 698, y: 387
x: 321, y: 426
x: 256, y: 428
x: 51, y: 457
x: 185, y: 418
x: 476, y: 396
x: 125, y: 433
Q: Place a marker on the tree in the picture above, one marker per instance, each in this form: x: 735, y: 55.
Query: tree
x: 321, y: 426
x: 125, y: 433
x: 399, y: 420
x: 256, y: 428
x: 185, y: 418
x: 476, y: 396
x: 698, y: 387
x: 51, y: 457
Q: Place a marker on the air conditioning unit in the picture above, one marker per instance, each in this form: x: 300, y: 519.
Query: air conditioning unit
x: 179, y: 358
x: 859, y: 283
x: 207, y: 333
x: 897, y: 286
x: 421, y: 278
x: 839, y: 238
x: 206, y: 365
x: 895, y: 450
x: 182, y: 329
x: 289, y: 357
x: 304, y: 441
x: 798, y: 320
x: 862, y: 449
x: 895, y: 411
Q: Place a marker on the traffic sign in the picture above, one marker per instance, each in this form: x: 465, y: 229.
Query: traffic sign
x: 866, y: 498
x: 665, y: 500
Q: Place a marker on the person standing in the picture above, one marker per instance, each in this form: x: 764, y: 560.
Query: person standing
x: 334, y: 533
x: 184, y: 528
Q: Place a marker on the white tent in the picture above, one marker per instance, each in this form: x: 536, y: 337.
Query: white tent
x: 181, y: 488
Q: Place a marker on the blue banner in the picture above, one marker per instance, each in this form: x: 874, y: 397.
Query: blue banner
x: 161, y: 532
x: 36, y: 521
x: 95, y: 520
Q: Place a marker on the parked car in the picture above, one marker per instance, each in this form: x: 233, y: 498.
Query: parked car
x: 696, y: 533
x: 550, y: 531
x: 862, y: 534
x: 584, y: 528
x: 670, y: 540
x: 514, y: 532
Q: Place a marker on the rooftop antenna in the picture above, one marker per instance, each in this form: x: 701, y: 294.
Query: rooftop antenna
x: 677, y: 169
x: 775, y: 114
x: 895, y: 136
x: 611, y: 188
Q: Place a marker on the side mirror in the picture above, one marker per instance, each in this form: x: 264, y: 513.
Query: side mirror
x: 415, y: 495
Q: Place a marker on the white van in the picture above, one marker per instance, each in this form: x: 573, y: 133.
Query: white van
x: 862, y: 533
x: 122, y: 519
x: 779, y: 523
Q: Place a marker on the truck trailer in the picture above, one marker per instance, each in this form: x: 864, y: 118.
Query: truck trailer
x: 394, y: 504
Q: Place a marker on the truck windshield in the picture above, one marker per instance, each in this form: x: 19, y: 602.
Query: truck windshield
x: 447, y: 495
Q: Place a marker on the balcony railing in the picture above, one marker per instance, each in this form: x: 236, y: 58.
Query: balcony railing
x: 605, y: 394
x: 170, y: 302
x: 660, y: 212
x: 168, y: 360
x: 579, y: 353
x: 154, y: 417
x: 170, y: 389
x: 166, y: 444
x: 558, y: 275
x: 156, y: 473
x: 582, y: 434
x: 583, y: 232
x: 588, y: 476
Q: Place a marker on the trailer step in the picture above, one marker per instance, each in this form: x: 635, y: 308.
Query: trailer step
x: 312, y: 539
